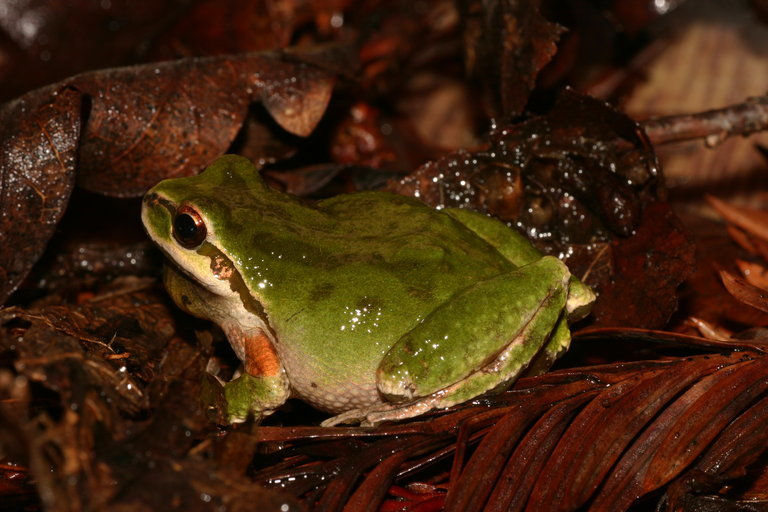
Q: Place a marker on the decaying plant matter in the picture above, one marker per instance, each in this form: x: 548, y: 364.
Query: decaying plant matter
x: 107, y: 399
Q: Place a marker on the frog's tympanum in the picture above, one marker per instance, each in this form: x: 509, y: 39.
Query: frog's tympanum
x: 371, y: 306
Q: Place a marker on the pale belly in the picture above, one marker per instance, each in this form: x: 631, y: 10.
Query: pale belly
x: 335, y: 386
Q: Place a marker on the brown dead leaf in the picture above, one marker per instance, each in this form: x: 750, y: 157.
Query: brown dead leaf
x: 651, y: 418
x: 506, y: 44
x: 580, y: 174
x: 156, y: 121
x: 754, y: 273
x: 46, y: 41
x: 751, y: 220
x: 647, y: 269
x: 38, y: 151
x: 144, y: 124
x: 745, y: 292
x: 216, y: 27
x: 682, y: 432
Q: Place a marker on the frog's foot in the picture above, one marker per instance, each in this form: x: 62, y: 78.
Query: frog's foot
x: 379, y: 413
x: 264, y: 385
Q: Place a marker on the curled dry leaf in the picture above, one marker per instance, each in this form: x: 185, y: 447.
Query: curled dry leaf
x: 38, y: 151
x: 744, y: 291
x: 506, y: 44
x: 151, y: 122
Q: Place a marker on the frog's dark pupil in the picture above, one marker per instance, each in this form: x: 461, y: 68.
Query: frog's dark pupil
x: 185, y: 226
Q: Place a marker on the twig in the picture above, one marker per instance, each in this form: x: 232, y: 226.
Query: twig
x: 713, y: 126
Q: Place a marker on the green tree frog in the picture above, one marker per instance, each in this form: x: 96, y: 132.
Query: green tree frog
x: 371, y: 306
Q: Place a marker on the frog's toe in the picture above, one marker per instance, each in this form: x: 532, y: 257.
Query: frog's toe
x: 381, y: 413
x: 353, y: 417
x: 369, y: 416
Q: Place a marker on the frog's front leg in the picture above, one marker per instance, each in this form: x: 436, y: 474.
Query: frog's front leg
x: 263, y: 386
x: 480, y: 340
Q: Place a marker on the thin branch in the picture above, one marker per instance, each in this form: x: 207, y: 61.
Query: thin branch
x: 713, y: 126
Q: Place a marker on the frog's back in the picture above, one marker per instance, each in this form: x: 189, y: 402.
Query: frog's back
x: 372, y: 246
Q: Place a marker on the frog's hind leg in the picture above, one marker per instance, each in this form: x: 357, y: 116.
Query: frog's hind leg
x: 558, y: 343
x: 456, y: 353
x: 519, y: 250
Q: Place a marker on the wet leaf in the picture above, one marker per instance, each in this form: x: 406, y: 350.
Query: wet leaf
x: 47, y: 41
x: 580, y: 174
x: 38, y: 151
x: 108, y: 398
x: 145, y: 125
x: 589, y: 191
x: 620, y: 413
x: 522, y: 470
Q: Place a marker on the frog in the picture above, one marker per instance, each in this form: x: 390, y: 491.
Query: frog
x: 370, y: 306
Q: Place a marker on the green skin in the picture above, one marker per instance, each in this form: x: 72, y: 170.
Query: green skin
x: 371, y: 306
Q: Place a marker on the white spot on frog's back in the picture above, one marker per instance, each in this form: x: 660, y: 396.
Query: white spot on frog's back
x: 365, y: 317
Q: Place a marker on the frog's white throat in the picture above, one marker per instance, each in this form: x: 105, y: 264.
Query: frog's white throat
x: 222, y: 296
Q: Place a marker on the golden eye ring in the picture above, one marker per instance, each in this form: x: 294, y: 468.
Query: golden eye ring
x: 188, y: 227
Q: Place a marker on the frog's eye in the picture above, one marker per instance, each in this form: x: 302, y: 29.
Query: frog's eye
x: 188, y: 227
